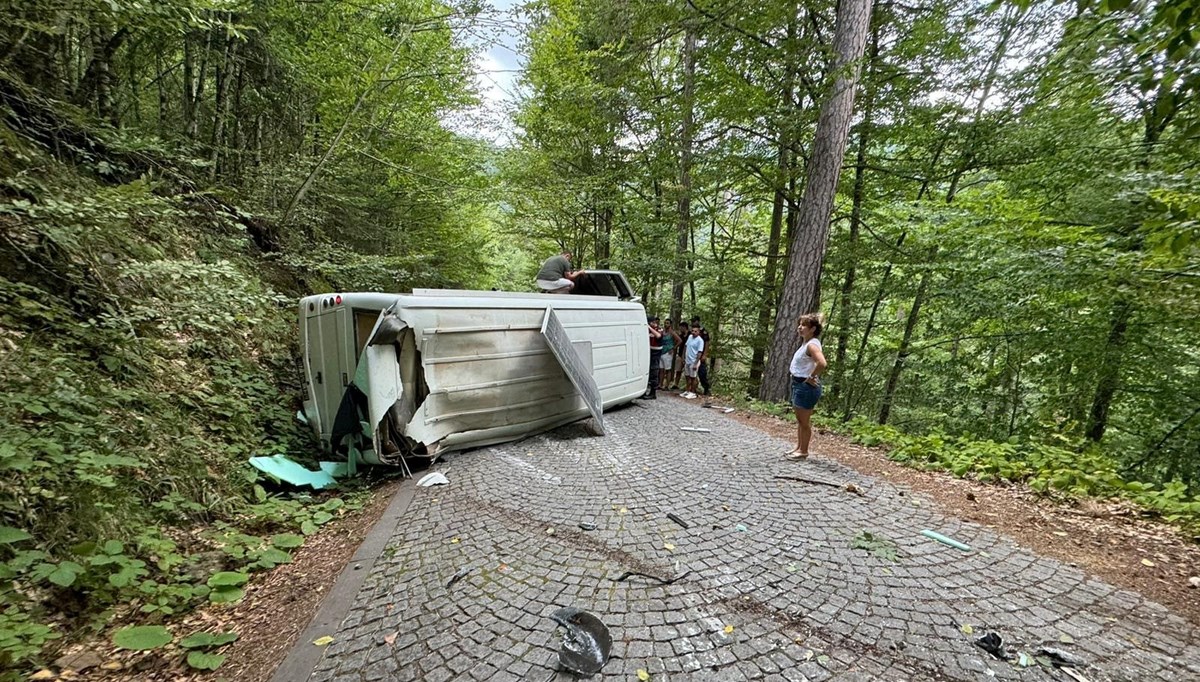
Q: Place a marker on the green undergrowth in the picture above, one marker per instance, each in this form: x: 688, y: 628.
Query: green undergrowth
x: 146, y: 352
x: 1067, y: 469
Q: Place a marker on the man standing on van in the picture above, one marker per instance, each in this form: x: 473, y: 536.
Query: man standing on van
x: 556, y: 276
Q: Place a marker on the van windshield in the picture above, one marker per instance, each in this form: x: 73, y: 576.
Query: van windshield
x: 601, y: 284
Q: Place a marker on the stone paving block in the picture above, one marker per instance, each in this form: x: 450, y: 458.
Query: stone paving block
x: 803, y: 603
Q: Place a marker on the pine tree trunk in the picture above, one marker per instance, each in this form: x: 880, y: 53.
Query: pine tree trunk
x: 685, y: 170
x: 860, y: 171
x: 807, y: 253
x: 769, y: 284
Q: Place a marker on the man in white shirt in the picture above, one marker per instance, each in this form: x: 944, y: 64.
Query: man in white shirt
x: 691, y: 361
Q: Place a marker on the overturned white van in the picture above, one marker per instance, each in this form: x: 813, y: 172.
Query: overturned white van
x: 391, y: 376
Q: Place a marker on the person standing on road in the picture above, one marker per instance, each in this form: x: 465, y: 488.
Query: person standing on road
x: 656, y: 351
x: 691, y: 363
x: 808, y: 364
x: 704, y: 357
x: 680, y: 353
x: 556, y: 276
x: 669, y: 341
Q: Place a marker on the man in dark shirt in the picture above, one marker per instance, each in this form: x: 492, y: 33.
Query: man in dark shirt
x: 556, y: 276
x: 656, y: 349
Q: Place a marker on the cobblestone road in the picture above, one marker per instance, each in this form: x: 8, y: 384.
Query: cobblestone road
x: 774, y: 589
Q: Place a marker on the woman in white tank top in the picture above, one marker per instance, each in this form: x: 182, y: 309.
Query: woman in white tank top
x: 808, y: 364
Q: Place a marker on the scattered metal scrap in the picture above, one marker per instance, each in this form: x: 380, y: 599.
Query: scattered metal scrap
x: 661, y: 581
x: 848, y: 487
x: 586, y: 643
x: 462, y: 573
x: 1060, y: 658
x: 678, y: 520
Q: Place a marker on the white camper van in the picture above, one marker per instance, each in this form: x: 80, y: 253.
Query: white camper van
x: 391, y: 376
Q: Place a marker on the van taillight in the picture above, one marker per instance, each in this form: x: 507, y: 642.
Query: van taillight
x: 337, y: 300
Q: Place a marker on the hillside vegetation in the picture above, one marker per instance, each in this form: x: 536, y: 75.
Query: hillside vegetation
x: 172, y: 178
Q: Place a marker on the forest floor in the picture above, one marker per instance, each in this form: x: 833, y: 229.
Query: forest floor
x: 1106, y: 539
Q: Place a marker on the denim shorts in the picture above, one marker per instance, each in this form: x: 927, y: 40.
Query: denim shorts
x: 804, y: 395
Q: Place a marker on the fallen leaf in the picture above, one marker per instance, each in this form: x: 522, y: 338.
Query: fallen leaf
x: 808, y: 655
x: 43, y: 674
x: 669, y: 547
x: 1147, y: 562
x: 390, y: 639
x: 1024, y: 660
x: 967, y: 629
x: 322, y: 641
x: 1066, y: 639
x: 728, y: 629
x: 725, y: 507
x: 549, y: 531
x: 454, y: 541
x: 643, y: 675
x: 623, y: 510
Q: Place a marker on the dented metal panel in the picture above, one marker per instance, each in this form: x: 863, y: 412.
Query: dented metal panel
x: 464, y: 369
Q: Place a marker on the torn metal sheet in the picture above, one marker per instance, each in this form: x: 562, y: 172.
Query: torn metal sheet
x: 579, y: 374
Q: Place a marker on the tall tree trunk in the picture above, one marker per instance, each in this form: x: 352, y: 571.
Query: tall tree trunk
x: 1155, y: 120
x: 685, y: 168
x: 889, y: 391
x: 860, y: 172
x: 221, y: 102
x: 769, y: 283
x: 807, y: 253
x: 1110, y: 368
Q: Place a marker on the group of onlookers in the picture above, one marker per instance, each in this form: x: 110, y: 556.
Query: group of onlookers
x: 680, y: 354
x: 679, y: 358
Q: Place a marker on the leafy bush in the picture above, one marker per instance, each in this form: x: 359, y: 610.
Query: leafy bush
x: 1046, y: 468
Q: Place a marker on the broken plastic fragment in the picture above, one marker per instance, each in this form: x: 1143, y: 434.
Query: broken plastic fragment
x: 695, y: 429
x: 436, y: 478
x: 586, y: 642
x: 994, y: 645
x: 284, y: 469
x: 945, y: 540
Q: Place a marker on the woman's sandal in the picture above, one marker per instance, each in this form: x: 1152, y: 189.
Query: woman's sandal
x: 797, y: 456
